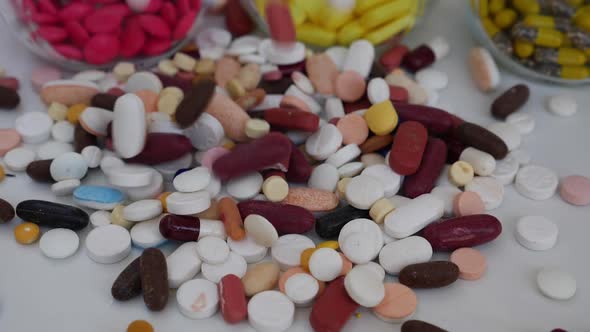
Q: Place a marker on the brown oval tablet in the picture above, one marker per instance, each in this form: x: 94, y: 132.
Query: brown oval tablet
x: 261, y: 277
x: 375, y: 143
x: 194, y: 103
x: 480, y: 138
x: 251, y: 99
x: 510, y: 101
x: 420, y: 326
x: 154, y: 279
x: 429, y: 275
x: 6, y: 211
x: 9, y: 98
x: 104, y: 100
x: 38, y: 170
x: 82, y: 138
x: 128, y: 283
x: 277, y: 86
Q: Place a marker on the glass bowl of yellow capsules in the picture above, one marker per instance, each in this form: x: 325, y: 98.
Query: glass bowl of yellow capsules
x: 324, y: 23
x: 546, y: 40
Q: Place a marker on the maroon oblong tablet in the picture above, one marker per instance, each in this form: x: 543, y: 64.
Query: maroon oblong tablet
x: 180, y: 228
x: 194, y: 103
x: 408, y: 147
x: 299, y: 168
x: 467, y: 231
x: 232, y: 299
x: 154, y: 279
x: 437, y: 121
x: 292, y: 119
x: 162, y: 147
x: 286, y: 218
x: 433, y: 162
x: 333, y: 308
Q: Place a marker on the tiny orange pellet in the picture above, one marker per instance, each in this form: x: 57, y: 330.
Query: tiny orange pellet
x: 74, y: 113
x: 140, y: 326
x: 305, y: 256
x: 2, y: 173
x: 232, y: 220
x: 26, y: 233
x: 162, y: 197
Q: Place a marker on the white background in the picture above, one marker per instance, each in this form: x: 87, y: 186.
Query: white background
x: 39, y: 294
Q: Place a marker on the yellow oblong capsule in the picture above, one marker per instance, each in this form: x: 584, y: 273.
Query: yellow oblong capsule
x: 489, y: 26
x: 523, y: 49
x: 363, y: 5
x: 571, y: 56
x: 297, y: 13
x: 549, y: 37
x: 387, y: 31
x: 483, y: 8
x: 582, y: 21
x: 505, y: 18
x: 350, y: 32
x: 575, y: 3
x: 385, y: 13
x: 575, y: 72
x: 527, y: 6
x: 315, y: 34
x: 494, y: 6
x: 539, y: 21
x: 312, y: 9
x: 334, y: 18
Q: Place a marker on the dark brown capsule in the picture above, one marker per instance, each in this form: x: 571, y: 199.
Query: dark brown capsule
x: 128, y: 283
x: 104, y: 100
x: 6, y: 211
x: 510, y: 101
x: 420, y: 326
x: 276, y: 87
x: 429, y: 275
x: 194, y: 103
x: 480, y: 138
x: 38, y: 170
x: 82, y: 139
x: 154, y: 279
x: 9, y: 98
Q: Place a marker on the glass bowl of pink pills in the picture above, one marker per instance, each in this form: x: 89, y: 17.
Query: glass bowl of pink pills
x: 78, y: 35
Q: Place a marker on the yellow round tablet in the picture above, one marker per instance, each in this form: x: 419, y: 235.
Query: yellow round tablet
x: 461, y: 173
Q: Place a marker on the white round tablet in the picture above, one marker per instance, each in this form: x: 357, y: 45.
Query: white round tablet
x: 364, y: 286
x: 301, y: 288
x: 63, y: 131
x: 390, y: 180
x: 375, y: 268
x: 325, y: 264
x: 378, y: 91
x: 93, y: 156
x: 153, y: 189
x: 562, y: 105
x: 91, y: 75
x: 198, y: 299
x: 143, y: 210
x: 261, y: 230
x: 523, y: 157
x: 270, y: 311
x: 188, y: 203
x: 108, y: 244
x: 508, y: 133
x: 65, y: 187
x: 183, y: 264
x: 324, y: 142
x: 489, y: 189
x: 345, y: 154
x: 536, y: 233
x: 245, y: 187
x: 360, y: 240
x: 53, y: 149
x: 109, y: 162
x: 212, y: 250
x: 146, y: 234
x: 433, y: 79
x: 68, y: 166
x: 248, y: 248
x: 523, y: 121
x: 129, y: 176
x: 324, y: 177
x: 286, y: 251
x: 506, y: 170
x: 556, y: 284
x: 536, y: 182
x: 143, y: 80
x: 34, y: 127
x: 18, y: 159
x: 364, y: 190
x: 214, y: 186
x: 235, y: 264
x: 100, y: 218
x: 302, y: 82
x: 59, y: 243
x: 192, y: 180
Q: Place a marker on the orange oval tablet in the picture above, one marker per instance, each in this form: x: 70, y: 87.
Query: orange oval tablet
x: 294, y: 102
x: 314, y: 200
x: 149, y: 99
x: 350, y: 86
x: 9, y: 139
x: 399, y: 302
x: 354, y: 129
x: 472, y: 264
x: 468, y: 203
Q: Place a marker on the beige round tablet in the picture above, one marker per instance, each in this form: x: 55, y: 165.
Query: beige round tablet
x: 174, y: 91
x: 256, y: 128
x: 461, y: 173
x: 380, y: 209
x: 341, y: 187
x: 472, y: 264
x: 261, y: 230
x: 275, y: 188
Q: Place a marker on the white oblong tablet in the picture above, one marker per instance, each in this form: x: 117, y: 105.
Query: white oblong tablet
x: 143, y: 80
x: 18, y: 159
x: 325, y: 264
x: 59, y: 243
x: 324, y: 142
x: 536, y: 233
x: 146, y: 234
x: 261, y: 230
x: 447, y: 194
x: 270, y: 311
x: 129, y: 176
x: 390, y: 180
x: 129, y: 126
x: 345, y: 154
x: 206, y: 133
x: 89, y: 75
x: 378, y: 91
x: 507, y: 133
x: 364, y: 286
x: 248, y: 248
x: 399, y: 201
x: 361, y: 54
x: 188, y: 203
x: 556, y: 284
x: 70, y: 165
x: 412, y: 217
x: 364, y: 190
x: 109, y: 161
x: 143, y: 210
x: 214, y: 186
x: 93, y: 156
x: 192, y: 180
x: 53, y: 149
x: 245, y: 187
x: 302, y: 289
x: 489, y: 189
x: 65, y: 187
x: 524, y: 122
x: 433, y: 79
x: 108, y: 244
x: 183, y: 264
x: 351, y: 169
x: 302, y: 82
x: 96, y: 120
x: 152, y: 190
x: 324, y: 177
x: 212, y: 250
x: 399, y: 254
x: 100, y: 218
x: 235, y: 264
x: 63, y: 131
x: 506, y: 170
x: 360, y: 240
x: 334, y: 108
x: 34, y: 127
x: 286, y: 251
x: 536, y: 182
x: 198, y: 299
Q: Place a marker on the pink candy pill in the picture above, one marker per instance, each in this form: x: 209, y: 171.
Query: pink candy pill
x: 155, y: 26
x: 101, y: 49
x: 43, y: 18
x: 47, y: 6
x: 184, y: 25
x: 52, y: 34
x: 132, y: 39
x: 75, y: 11
x: 575, y: 189
x: 77, y: 32
x: 211, y: 155
x: 156, y: 46
x: 169, y: 13
x: 106, y: 19
x: 9, y: 139
x: 42, y: 75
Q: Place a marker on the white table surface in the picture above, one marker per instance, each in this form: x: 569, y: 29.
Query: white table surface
x: 39, y: 294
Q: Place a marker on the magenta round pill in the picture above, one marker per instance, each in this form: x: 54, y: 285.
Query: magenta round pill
x: 68, y: 51
x: 575, y: 189
x: 156, y: 46
x: 155, y: 26
x: 184, y: 25
x: 101, y: 49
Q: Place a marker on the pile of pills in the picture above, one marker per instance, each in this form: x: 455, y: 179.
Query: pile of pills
x: 550, y: 37
x: 262, y: 142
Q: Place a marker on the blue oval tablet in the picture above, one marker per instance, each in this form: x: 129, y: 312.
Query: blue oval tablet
x: 99, y: 194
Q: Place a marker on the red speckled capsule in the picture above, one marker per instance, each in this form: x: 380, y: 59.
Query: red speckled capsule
x: 292, y: 119
x: 408, y: 147
x: 180, y: 228
x: 162, y: 147
x: 398, y: 94
x: 287, y: 219
x: 333, y: 308
x: 467, y: 231
x: 280, y: 22
x: 270, y: 151
x: 232, y: 299
x: 392, y: 59
x: 432, y: 164
x: 237, y: 19
x: 437, y: 121
x: 299, y: 168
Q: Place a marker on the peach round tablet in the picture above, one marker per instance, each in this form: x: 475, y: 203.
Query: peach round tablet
x: 400, y: 302
x: 226, y: 69
x: 350, y: 86
x: 346, y: 265
x: 295, y: 102
x: 211, y: 155
x: 574, y: 189
x: 149, y: 99
x: 472, y: 264
x: 468, y: 203
x: 353, y: 128
x: 9, y: 139
x: 295, y: 270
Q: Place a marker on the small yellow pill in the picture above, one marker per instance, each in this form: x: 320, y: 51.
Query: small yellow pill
x: 123, y: 70
x: 380, y: 209
x: 261, y: 7
x: 297, y: 13
x: 140, y: 326
x: 526, y: 6
x: 334, y: 18
x: 305, y: 256
x: 312, y: 9
x: 275, y: 188
x: 350, y: 32
x: 205, y: 67
x: 172, y: 90
x: 315, y: 35
x: 381, y: 118
x: 341, y: 187
x: 168, y: 103
x: 2, y: 173
x: 575, y: 72
x: 256, y: 128
x: 74, y: 113
x: 117, y: 217
x: 505, y: 18
x: 523, y: 49
x: 385, y: 13
x: 57, y: 111
x: 228, y: 144
x: 167, y: 67
x: 461, y: 173
x: 329, y: 244
x: 235, y: 89
x: 495, y: 6
x: 184, y: 61
x: 26, y: 233
x: 483, y: 9
x: 582, y: 20
x: 387, y: 31
x: 364, y: 5
x: 489, y: 26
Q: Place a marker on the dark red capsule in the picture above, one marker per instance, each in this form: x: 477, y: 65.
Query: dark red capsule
x: 437, y: 121
x: 286, y: 218
x: 467, y: 231
x: 419, y: 58
x: 292, y: 119
x: 299, y: 168
x: 180, y: 228
x: 433, y: 162
x: 163, y: 147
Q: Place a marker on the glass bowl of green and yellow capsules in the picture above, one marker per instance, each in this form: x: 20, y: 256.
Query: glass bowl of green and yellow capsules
x: 546, y: 40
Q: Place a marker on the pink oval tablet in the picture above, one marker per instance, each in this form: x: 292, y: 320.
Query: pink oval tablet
x: 52, y: 34
x: 68, y: 51
x: 44, y: 18
x: 169, y: 14
x: 354, y: 129
x: 294, y: 102
x: 101, y: 49
x: 75, y: 11
x: 226, y: 69
x: 274, y: 75
x: 350, y: 86
x: 47, y: 6
x: 183, y: 6
x: 280, y: 22
x: 184, y: 25
x: 42, y: 75
x: 468, y: 203
x: 575, y: 189
x: 155, y: 26
x: 9, y: 139
x: 132, y: 39
x: 472, y: 264
x: 149, y: 99
x: 211, y: 155
x: 314, y: 200
x: 322, y: 72
x: 156, y: 46
x: 106, y: 19
x: 77, y: 33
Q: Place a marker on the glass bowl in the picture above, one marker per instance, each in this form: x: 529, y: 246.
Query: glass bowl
x: 17, y: 19
x: 504, y: 59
